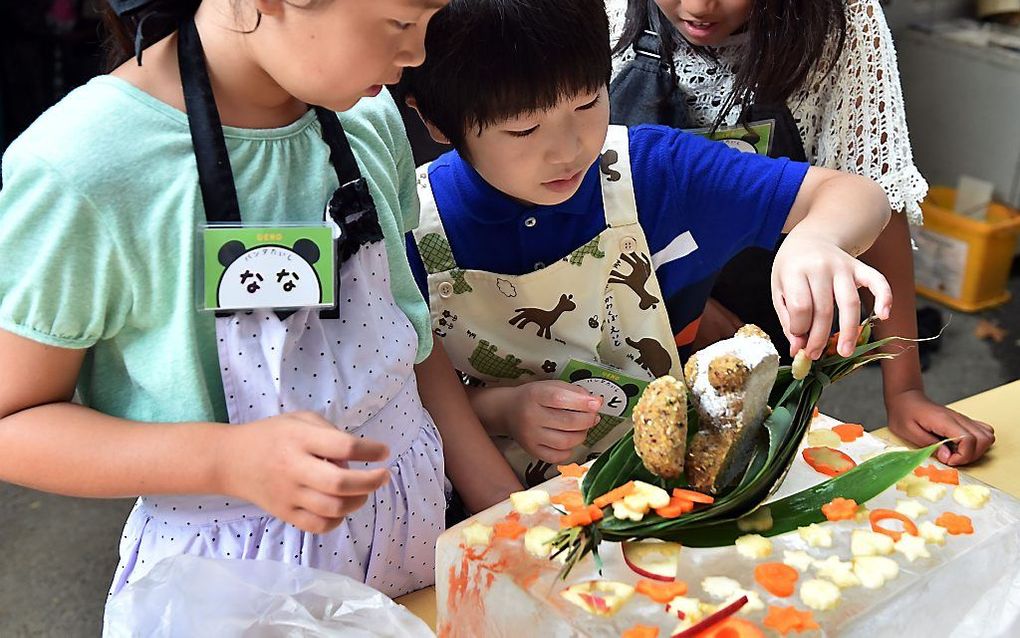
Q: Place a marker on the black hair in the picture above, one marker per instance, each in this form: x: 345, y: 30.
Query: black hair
x: 785, y: 39
x: 489, y: 60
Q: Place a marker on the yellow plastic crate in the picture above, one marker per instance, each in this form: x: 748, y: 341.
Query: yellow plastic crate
x: 963, y: 262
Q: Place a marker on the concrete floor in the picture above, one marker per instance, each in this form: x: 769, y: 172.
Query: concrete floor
x: 57, y: 554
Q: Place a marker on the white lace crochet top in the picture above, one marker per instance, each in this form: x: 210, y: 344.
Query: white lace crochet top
x: 851, y: 120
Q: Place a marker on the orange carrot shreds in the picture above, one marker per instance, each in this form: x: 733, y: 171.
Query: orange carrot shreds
x: 616, y: 494
x: 879, y: 515
x: 935, y: 474
x: 572, y: 471
x: 849, y: 432
x: 787, y: 619
x: 661, y: 592
x: 828, y: 461
x: 778, y: 579
x: 641, y: 631
x: 676, y: 507
x: 570, y: 500
x: 840, y: 509
x: 692, y: 496
x: 955, y: 523
x: 582, y: 517
x: 733, y: 627
x: 830, y: 346
x: 509, y: 529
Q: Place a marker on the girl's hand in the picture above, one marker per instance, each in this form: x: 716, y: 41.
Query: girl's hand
x: 294, y: 466
x: 551, y: 418
x: 917, y: 419
x: 809, y: 272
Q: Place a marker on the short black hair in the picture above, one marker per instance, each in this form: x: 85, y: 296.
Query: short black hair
x: 490, y: 60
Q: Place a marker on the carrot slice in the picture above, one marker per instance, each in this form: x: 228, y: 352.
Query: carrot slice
x: 570, y: 500
x: 815, y: 412
x: 880, y: 515
x: 955, y: 523
x: 582, y: 517
x: 849, y: 432
x: 840, y: 509
x: 641, y: 631
x: 661, y: 592
x: 510, y: 529
x: 676, y: 507
x: 949, y: 475
x: 733, y: 628
x: 778, y: 579
x: 828, y: 461
x: 830, y: 346
x: 787, y: 619
x: 572, y: 471
x: 616, y: 494
x: 692, y: 496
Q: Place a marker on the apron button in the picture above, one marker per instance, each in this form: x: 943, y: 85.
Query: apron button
x: 530, y: 222
x: 445, y: 289
x: 628, y: 244
x: 539, y: 265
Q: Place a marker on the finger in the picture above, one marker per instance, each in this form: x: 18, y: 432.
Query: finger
x: 549, y: 455
x: 313, y: 523
x: 327, y: 478
x: 568, y: 421
x: 323, y: 505
x: 849, y: 303
x: 982, y: 440
x: 867, y: 277
x: 821, y: 316
x: 559, y: 395
x: 796, y: 299
x: 560, y: 440
x: 966, y: 445
x: 340, y: 446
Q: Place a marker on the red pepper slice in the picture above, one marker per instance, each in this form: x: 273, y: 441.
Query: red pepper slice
x: 828, y: 461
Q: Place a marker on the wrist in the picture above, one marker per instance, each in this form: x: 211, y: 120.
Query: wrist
x: 493, y: 407
x: 220, y: 471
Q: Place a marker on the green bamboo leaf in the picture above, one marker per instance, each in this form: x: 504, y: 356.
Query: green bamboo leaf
x: 864, y: 482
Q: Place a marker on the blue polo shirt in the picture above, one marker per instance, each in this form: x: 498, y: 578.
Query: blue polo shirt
x: 726, y: 200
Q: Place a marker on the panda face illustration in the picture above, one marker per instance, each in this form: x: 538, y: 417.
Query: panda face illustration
x: 615, y: 397
x: 269, y: 276
x: 741, y: 145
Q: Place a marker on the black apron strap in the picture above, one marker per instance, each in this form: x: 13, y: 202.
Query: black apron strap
x: 215, y: 177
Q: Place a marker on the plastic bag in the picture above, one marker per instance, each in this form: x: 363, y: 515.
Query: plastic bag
x: 190, y: 596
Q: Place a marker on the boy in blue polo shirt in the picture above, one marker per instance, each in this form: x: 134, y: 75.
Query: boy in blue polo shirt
x: 566, y: 261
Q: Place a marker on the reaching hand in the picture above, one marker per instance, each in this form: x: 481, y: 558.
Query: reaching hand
x: 294, y: 466
x: 917, y: 419
x: 809, y: 273
x: 551, y: 418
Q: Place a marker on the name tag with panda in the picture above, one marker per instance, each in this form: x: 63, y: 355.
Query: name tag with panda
x: 619, y: 391
x: 755, y: 137
x: 267, y: 267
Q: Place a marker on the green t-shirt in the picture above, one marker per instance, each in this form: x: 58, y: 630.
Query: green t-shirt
x: 99, y: 212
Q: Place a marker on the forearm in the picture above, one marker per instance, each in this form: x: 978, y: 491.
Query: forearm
x: 475, y: 467
x: 848, y: 210
x: 61, y: 448
x: 891, y: 255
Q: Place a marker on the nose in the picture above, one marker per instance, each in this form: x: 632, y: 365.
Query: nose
x: 699, y: 8
x: 412, y: 50
x: 566, y: 147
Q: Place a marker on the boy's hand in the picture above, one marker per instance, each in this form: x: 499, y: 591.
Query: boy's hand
x: 551, y: 418
x: 294, y: 466
x: 809, y: 272
x: 917, y: 419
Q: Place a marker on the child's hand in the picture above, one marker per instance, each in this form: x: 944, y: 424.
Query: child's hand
x: 294, y: 466
x: 551, y: 418
x: 917, y: 419
x: 810, y: 272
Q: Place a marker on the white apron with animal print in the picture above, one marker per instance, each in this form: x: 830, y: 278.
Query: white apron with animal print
x: 601, y: 304
x: 357, y: 373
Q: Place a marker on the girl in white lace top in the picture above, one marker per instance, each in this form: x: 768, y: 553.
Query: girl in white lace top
x: 723, y: 56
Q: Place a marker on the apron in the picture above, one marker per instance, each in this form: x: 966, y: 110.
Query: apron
x: 599, y: 304
x: 355, y: 370
x: 645, y: 93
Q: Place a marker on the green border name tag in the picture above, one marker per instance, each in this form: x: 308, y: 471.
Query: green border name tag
x: 756, y: 137
x: 267, y: 267
x: 619, y: 391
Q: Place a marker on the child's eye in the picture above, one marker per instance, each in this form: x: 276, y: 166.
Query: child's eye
x: 523, y: 133
x: 590, y: 105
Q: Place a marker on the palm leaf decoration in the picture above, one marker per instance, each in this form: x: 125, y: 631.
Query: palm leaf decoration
x: 793, y: 403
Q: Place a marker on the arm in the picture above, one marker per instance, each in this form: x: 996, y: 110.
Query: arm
x: 475, y: 467
x: 54, y: 445
x: 834, y: 218
x: 911, y: 414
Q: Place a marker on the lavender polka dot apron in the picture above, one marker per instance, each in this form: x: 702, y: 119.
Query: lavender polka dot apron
x: 356, y: 371
x: 601, y: 304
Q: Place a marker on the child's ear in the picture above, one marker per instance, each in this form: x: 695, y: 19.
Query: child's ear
x: 434, y: 132
x: 269, y: 7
